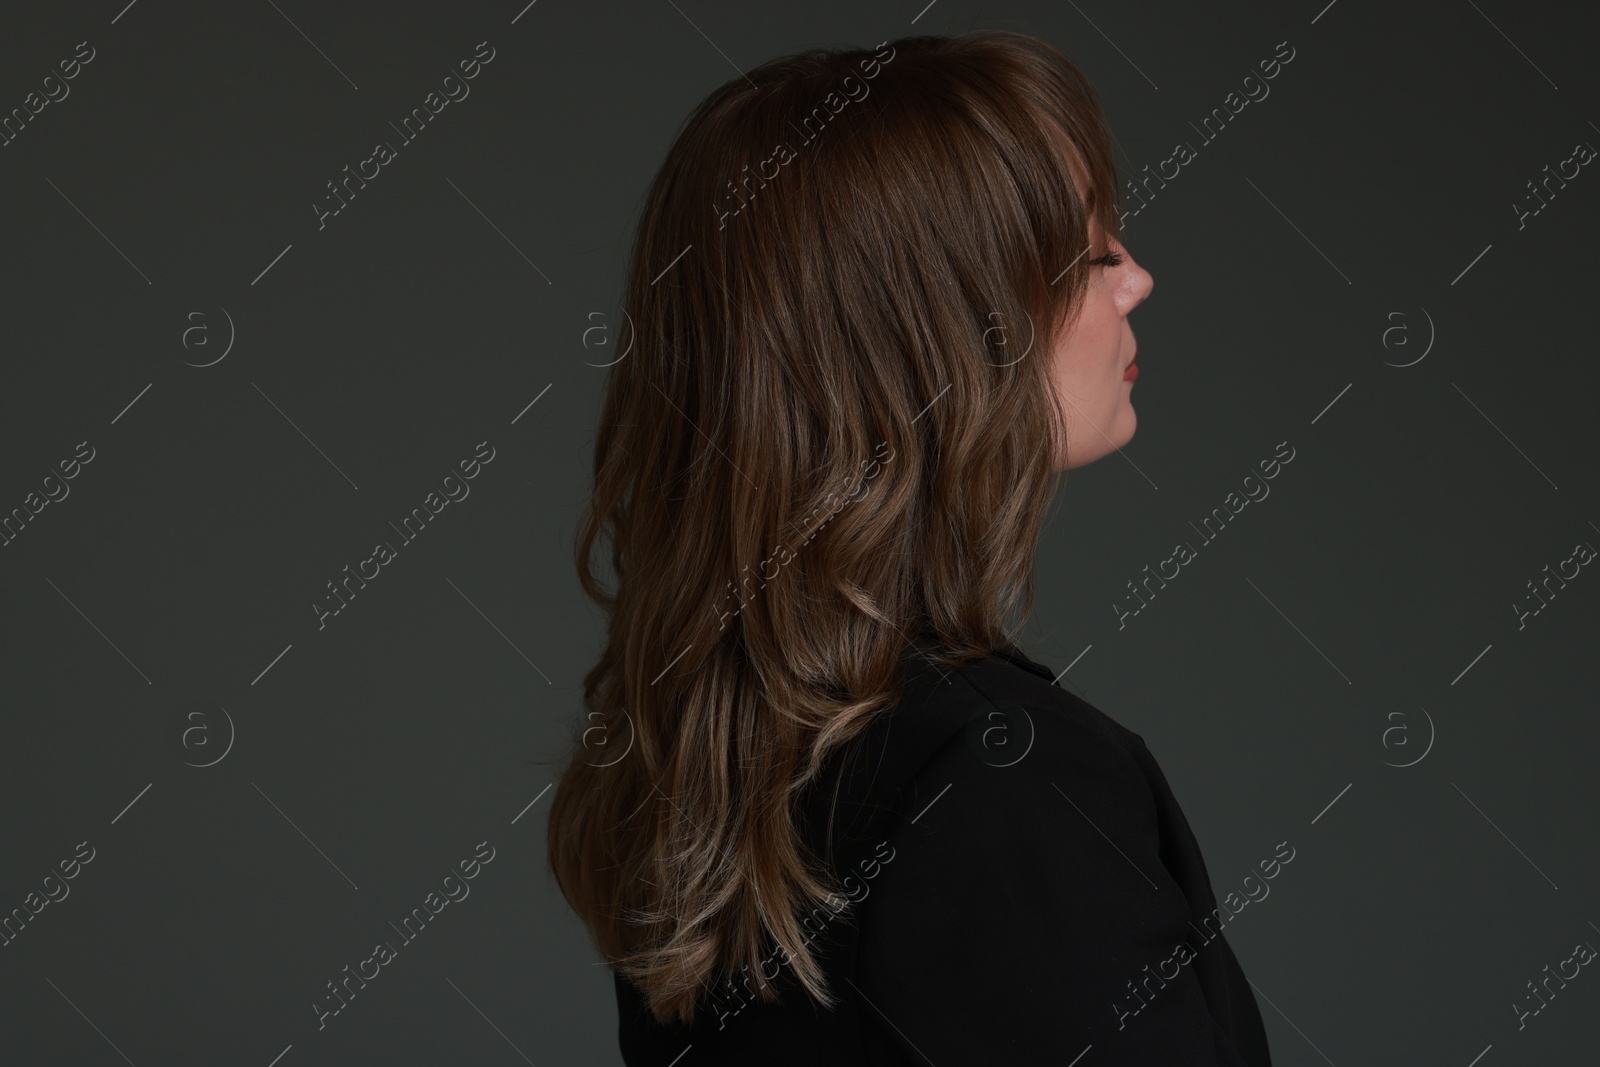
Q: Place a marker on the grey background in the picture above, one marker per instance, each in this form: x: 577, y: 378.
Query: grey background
x: 371, y: 356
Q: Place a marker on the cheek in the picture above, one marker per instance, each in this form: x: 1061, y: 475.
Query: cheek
x: 1092, y: 354
x: 1086, y: 360
x: 1106, y: 334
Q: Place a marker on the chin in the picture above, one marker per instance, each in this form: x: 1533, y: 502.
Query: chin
x: 1126, y: 423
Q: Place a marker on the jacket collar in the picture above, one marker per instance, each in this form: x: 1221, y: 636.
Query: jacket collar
x: 925, y: 638
x: 1015, y: 655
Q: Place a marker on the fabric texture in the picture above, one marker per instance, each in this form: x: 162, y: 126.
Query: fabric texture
x: 1024, y: 889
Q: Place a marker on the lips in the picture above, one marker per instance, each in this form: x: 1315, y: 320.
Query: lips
x: 1132, y: 373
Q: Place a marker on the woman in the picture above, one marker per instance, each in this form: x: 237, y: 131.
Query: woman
x: 823, y: 810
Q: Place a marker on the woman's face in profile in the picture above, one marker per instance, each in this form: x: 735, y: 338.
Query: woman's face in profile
x: 1090, y: 365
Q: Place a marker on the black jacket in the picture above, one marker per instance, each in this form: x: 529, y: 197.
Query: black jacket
x: 1026, y: 888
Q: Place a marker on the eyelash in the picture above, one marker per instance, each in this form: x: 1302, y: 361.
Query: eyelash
x: 1110, y: 259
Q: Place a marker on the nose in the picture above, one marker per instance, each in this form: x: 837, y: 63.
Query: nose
x: 1133, y: 283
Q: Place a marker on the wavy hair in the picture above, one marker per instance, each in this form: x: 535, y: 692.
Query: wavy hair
x: 834, y: 428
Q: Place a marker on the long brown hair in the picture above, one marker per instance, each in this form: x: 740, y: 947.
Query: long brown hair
x: 833, y: 428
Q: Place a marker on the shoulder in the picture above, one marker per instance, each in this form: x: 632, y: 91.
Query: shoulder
x: 1023, y: 867
x: 1022, y: 696
x: 991, y: 723
x: 991, y: 766
x: 1026, y: 767
x: 994, y: 722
